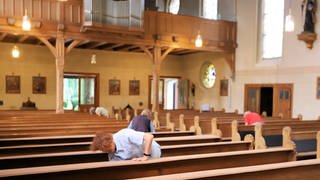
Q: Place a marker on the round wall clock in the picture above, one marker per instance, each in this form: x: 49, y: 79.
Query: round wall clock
x: 208, y: 75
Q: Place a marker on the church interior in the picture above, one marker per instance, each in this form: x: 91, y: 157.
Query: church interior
x: 198, y: 65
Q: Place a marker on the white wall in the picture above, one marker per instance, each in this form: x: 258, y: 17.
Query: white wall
x: 299, y: 65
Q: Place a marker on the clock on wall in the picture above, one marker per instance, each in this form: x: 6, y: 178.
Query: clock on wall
x: 208, y: 75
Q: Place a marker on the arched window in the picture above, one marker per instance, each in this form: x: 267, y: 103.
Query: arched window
x: 271, y: 29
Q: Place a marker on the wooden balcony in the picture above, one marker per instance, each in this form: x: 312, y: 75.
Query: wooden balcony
x: 159, y: 29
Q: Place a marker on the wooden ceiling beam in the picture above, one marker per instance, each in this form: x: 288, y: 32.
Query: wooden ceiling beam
x: 113, y: 46
x: 95, y: 45
x: 3, y: 35
x: 22, y: 39
x: 128, y: 48
x: 83, y: 43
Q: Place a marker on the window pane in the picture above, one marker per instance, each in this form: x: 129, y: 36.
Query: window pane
x: 70, y: 94
x: 87, y: 91
x: 272, y: 35
x: 210, y: 9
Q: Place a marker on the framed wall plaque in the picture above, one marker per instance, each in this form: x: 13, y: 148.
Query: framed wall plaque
x: 224, y: 87
x: 318, y: 88
x: 39, y: 85
x: 13, y: 84
x: 114, y: 87
x: 134, y: 87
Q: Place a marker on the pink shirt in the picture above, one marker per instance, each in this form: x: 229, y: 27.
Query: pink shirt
x: 251, y: 118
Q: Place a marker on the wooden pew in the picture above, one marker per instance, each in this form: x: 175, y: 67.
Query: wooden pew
x: 154, y: 167
x: 304, y: 169
x: 305, y: 140
x: 307, y: 169
x: 21, y: 161
x: 74, y: 138
x: 82, y: 146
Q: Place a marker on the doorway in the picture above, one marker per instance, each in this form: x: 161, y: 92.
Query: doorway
x: 80, y: 91
x: 275, y: 99
x: 266, y: 100
x: 173, y: 93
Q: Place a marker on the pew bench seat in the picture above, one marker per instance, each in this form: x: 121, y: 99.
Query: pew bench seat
x: 153, y: 167
x: 307, y: 169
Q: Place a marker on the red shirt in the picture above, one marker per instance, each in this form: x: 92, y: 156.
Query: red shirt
x: 252, y: 117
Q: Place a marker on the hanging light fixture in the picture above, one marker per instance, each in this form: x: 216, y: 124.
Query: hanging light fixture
x: 15, y: 52
x: 93, y: 59
x: 198, y: 42
x: 289, y: 23
x: 26, y: 24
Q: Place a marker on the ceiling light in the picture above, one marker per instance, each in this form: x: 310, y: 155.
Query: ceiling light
x: 26, y: 24
x: 93, y: 59
x: 198, y: 42
x: 15, y: 52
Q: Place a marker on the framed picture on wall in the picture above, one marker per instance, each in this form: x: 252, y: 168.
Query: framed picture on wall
x: 318, y: 88
x: 224, y: 83
x: 39, y: 85
x: 134, y: 87
x: 13, y: 84
x: 114, y: 87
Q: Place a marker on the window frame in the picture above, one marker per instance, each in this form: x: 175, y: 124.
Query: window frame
x: 261, y: 32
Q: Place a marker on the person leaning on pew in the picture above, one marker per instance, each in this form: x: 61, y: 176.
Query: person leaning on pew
x: 142, y: 122
x: 126, y: 144
x: 100, y: 111
x: 252, y: 118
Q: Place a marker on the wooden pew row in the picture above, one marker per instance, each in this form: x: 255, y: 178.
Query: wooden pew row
x: 223, y: 123
x: 304, y: 169
x: 58, y: 122
x: 154, y: 167
x: 305, y: 140
x: 22, y: 161
x: 54, y: 130
x: 307, y: 169
x: 82, y: 146
x: 75, y: 138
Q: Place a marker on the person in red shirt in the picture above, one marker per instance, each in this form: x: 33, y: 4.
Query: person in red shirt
x: 252, y: 118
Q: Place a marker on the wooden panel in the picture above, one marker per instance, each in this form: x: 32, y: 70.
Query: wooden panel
x: 36, y: 5
x: 1, y: 7
x: 44, y: 10
x: 54, y: 9
x: 187, y: 26
x: 8, y: 10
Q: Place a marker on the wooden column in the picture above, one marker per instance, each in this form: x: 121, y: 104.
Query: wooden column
x: 156, y: 67
x: 60, y: 55
x: 157, y: 57
x: 59, y: 52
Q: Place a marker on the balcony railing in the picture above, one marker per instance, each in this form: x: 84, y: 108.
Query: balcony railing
x: 118, y: 13
x: 51, y: 11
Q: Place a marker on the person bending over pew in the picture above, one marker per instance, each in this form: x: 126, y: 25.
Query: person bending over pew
x: 142, y: 122
x: 252, y: 118
x: 126, y: 144
x: 100, y: 111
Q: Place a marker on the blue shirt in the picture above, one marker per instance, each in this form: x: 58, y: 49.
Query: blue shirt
x: 141, y: 123
x: 130, y: 144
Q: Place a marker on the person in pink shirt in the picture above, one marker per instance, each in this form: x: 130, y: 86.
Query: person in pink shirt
x: 252, y: 118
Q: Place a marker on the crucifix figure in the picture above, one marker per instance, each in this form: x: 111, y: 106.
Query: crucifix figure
x: 308, y: 8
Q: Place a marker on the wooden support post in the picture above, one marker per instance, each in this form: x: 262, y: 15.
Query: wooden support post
x: 157, y: 57
x: 156, y: 66
x: 59, y: 52
x: 60, y: 55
